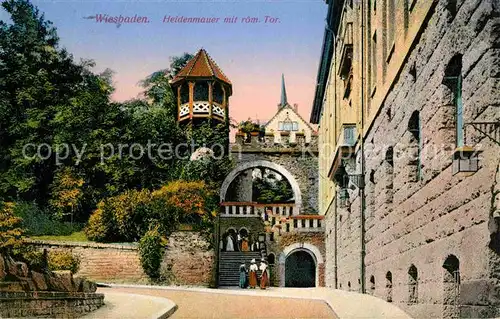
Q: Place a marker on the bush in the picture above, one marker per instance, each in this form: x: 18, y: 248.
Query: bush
x: 11, y: 232
x: 124, y: 217
x: 151, y: 248
x: 128, y: 216
x: 38, y: 222
x: 63, y: 260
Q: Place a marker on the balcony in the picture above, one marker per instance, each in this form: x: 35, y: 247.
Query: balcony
x: 345, y: 149
x: 346, y: 52
x: 277, y: 218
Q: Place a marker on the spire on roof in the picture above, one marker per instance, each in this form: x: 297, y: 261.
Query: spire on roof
x: 283, y: 91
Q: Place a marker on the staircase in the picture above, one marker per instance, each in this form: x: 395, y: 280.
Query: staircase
x: 229, y: 265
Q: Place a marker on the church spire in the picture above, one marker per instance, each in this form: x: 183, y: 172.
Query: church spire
x: 283, y: 92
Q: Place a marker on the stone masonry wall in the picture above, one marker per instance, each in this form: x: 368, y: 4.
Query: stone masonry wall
x: 103, y: 262
x: 187, y: 260
x: 423, y: 222
x: 48, y: 304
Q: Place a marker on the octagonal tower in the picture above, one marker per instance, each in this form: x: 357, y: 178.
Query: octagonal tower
x: 202, y: 91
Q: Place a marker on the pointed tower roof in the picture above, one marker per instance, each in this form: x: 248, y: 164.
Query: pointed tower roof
x: 201, y: 66
x: 283, y: 91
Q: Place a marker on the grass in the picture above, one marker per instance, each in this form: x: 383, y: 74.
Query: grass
x: 76, y: 236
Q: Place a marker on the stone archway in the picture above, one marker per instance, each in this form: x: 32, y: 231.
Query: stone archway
x: 304, y: 254
x: 266, y: 164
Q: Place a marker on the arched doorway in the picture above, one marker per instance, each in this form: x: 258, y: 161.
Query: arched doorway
x: 300, y: 269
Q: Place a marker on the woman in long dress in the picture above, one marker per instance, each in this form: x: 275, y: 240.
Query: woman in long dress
x: 264, y: 279
x: 243, y: 275
x: 229, y: 245
x: 252, y: 276
x: 244, y: 244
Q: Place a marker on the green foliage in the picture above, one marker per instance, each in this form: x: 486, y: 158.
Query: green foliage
x: 248, y: 127
x: 127, y: 217
x: 270, y: 189
x: 47, y: 97
x: 38, y: 222
x: 63, y: 260
x: 151, y: 248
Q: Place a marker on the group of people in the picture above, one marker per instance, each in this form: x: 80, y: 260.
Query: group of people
x: 242, y: 243
x: 252, y: 280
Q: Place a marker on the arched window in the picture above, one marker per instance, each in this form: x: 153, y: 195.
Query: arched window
x: 415, y: 145
x: 372, y: 284
x: 451, y: 286
x: 388, y: 286
x: 413, y: 285
x: 349, y: 285
x: 389, y: 170
x: 271, y: 258
x: 453, y: 79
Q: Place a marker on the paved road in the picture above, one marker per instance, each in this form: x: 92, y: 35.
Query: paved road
x: 213, y: 305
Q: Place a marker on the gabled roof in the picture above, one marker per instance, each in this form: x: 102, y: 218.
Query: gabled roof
x: 201, y: 65
x: 288, y: 107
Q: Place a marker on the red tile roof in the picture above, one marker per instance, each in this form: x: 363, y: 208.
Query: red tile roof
x: 201, y: 65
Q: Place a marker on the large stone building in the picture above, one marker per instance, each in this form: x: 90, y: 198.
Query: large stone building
x: 407, y: 106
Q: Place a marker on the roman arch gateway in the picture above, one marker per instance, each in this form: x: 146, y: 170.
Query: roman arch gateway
x: 287, y: 234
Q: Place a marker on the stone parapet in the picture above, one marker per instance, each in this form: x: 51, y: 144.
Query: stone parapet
x: 48, y: 304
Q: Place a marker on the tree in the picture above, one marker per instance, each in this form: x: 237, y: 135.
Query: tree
x: 11, y: 233
x: 157, y: 86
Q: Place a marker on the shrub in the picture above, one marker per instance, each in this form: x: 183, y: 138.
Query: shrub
x: 151, y: 248
x: 11, y: 233
x: 99, y: 224
x: 63, y: 260
x: 128, y: 216
x: 120, y: 218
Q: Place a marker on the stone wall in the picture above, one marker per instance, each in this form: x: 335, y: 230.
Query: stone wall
x: 415, y: 226
x: 187, y: 260
x: 103, y: 262
x: 48, y: 304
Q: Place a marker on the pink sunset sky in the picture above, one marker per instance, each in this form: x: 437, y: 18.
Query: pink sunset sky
x: 252, y: 55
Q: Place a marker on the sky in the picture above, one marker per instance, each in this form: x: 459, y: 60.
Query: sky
x: 252, y: 55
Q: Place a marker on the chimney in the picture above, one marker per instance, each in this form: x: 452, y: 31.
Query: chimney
x: 296, y: 107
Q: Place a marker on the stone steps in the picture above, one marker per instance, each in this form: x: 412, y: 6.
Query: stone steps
x: 229, y: 265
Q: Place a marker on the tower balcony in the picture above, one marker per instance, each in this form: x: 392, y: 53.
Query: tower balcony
x: 202, y: 109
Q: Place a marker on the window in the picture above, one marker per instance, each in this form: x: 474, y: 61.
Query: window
x: 374, y: 63
x: 453, y: 79
x: 389, y: 170
x: 288, y: 126
x: 372, y: 285
x: 413, y: 285
x: 391, y: 23
x: 406, y: 15
x: 451, y: 286
x: 388, y: 286
x: 415, y: 145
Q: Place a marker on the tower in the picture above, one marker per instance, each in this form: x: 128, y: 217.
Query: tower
x: 202, y: 91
